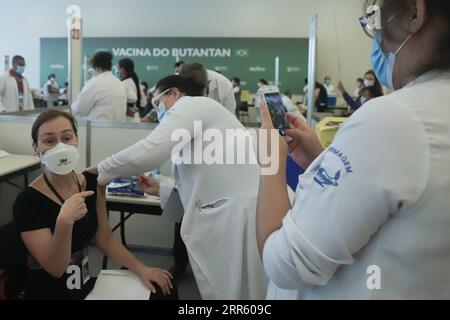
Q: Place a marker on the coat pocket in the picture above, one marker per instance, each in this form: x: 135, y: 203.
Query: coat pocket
x: 213, y: 207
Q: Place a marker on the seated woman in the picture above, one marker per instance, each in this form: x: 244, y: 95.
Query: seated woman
x: 62, y: 212
x: 375, y: 91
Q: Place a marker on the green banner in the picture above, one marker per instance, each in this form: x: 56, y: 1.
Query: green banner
x: 246, y: 58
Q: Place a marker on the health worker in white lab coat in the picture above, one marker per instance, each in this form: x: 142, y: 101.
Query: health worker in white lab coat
x: 219, y: 87
x: 371, y: 215
x: 136, y: 99
x: 51, y: 91
x: 219, y: 200
x: 103, y: 97
x: 15, y: 93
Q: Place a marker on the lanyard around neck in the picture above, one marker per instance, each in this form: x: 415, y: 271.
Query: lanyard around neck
x: 55, y: 192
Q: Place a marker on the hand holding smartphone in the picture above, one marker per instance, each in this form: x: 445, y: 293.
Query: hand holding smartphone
x: 271, y: 95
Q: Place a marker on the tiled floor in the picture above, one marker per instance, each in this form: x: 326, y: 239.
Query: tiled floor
x: 187, y: 287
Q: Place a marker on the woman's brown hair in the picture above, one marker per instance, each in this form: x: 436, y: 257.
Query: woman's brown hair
x: 48, y: 116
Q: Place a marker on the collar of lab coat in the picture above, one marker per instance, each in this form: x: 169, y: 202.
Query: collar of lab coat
x: 105, y: 73
x: 430, y: 75
x: 13, y: 74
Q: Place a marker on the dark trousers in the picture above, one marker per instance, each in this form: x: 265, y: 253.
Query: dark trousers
x: 180, y: 254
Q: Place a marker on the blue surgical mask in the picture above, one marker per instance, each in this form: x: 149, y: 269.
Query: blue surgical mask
x: 19, y: 69
x: 383, y: 65
x: 161, y: 111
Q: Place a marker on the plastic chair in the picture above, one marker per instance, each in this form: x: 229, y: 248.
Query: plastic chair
x: 13, y: 262
x: 243, y: 112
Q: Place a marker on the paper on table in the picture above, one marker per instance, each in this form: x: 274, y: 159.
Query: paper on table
x: 118, y: 285
x: 4, y: 154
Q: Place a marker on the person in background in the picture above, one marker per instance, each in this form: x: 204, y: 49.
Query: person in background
x: 145, y: 109
x: 370, y: 81
x: 290, y: 107
x: 359, y: 87
x: 144, y: 86
x: 218, y: 87
x: 136, y: 98
x: 63, y: 92
x: 62, y: 213
x: 371, y: 217
x: 177, y: 67
x: 287, y: 101
x: 305, y: 88
x: 327, y: 83
x: 236, y: 83
x: 104, y: 96
x: 367, y: 94
x: 219, y: 199
x: 258, y: 98
x: 51, y: 91
x: 15, y: 93
x: 320, y: 96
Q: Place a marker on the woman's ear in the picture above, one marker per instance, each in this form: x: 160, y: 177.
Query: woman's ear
x: 418, y: 20
x: 36, y: 150
x: 177, y: 93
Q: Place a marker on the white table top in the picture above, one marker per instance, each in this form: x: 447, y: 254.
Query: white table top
x: 13, y: 163
x: 149, y: 200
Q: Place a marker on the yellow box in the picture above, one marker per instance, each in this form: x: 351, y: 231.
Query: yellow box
x: 245, y: 96
x: 327, y: 129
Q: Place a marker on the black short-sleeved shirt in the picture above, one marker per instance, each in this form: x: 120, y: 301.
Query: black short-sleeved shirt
x: 322, y: 101
x: 35, y: 211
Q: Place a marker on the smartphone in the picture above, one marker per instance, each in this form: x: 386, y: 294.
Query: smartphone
x: 272, y: 97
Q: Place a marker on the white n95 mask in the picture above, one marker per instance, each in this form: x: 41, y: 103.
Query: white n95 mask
x: 62, y: 159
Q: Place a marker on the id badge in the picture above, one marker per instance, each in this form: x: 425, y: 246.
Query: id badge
x: 85, y: 268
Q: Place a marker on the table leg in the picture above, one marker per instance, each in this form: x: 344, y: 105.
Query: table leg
x: 105, y: 258
x: 122, y: 228
x: 105, y: 263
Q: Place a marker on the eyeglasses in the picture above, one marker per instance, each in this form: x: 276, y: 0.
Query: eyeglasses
x: 371, y: 22
x: 156, y: 99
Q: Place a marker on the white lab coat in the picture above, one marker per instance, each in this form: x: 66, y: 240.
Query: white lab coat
x: 102, y: 98
x: 288, y: 104
x: 371, y: 216
x: 221, y: 241
x: 131, y: 90
x: 50, y: 98
x: 9, y: 94
x: 330, y: 89
x: 221, y: 90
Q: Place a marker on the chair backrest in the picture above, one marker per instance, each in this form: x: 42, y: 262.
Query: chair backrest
x: 13, y: 264
x: 244, y: 106
x: 245, y: 96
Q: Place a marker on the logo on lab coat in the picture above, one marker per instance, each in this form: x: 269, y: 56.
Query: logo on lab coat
x: 334, y: 165
x: 324, y: 179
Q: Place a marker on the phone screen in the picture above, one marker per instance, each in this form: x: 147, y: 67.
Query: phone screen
x: 277, y: 111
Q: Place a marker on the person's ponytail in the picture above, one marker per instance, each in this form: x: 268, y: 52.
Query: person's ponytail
x: 128, y: 66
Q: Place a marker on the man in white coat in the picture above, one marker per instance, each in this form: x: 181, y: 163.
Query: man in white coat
x: 219, y: 87
x: 15, y: 93
x: 219, y: 200
x: 104, y: 96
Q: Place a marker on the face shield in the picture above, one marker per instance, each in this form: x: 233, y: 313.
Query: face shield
x: 378, y: 14
x: 371, y: 20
